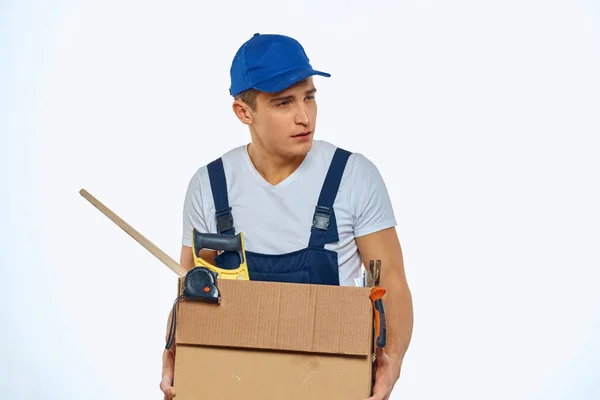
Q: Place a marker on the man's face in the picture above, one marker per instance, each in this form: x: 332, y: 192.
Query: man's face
x: 284, y: 122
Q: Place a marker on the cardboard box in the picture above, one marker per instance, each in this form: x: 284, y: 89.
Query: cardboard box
x: 269, y: 340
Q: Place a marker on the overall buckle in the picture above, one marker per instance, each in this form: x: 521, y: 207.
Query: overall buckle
x: 321, y: 218
x: 224, y: 220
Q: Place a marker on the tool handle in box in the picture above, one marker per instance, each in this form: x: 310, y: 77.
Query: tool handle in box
x: 380, y: 324
x: 216, y: 241
x: 380, y: 321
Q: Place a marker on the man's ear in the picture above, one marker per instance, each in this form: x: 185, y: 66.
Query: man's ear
x: 242, y: 111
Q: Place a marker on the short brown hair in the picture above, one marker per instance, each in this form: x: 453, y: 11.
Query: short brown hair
x: 248, y: 97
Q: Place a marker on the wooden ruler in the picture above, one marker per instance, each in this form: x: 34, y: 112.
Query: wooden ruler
x: 158, y: 253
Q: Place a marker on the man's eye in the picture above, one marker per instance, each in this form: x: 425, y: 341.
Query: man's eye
x: 283, y: 103
x: 310, y: 97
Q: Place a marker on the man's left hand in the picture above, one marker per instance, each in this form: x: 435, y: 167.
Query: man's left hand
x: 384, y: 376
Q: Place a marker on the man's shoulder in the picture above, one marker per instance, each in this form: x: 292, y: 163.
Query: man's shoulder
x: 231, y: 159
x: 327, y: 148
x: 324, y: 150
x: 358, y: 164
x: 357, y: 161
x: 233, y: 155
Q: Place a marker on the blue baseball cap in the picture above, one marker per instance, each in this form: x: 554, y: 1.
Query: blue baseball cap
x: 269, y: 63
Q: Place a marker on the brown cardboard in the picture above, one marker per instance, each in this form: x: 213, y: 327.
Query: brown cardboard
x: 269, y: 340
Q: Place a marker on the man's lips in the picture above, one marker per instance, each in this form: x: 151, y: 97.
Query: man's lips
x: 302, y: 134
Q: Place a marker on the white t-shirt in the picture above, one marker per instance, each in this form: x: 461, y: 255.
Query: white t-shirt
x: 277, y: 219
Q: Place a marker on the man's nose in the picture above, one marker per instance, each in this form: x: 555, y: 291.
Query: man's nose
x: 302, y: 116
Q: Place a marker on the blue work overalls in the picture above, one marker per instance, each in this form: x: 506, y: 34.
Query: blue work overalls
x: 313, y: 264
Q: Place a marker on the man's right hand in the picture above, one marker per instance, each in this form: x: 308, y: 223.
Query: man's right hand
x: 166, y: 384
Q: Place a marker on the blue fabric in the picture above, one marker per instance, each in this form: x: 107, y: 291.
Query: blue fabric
x: 319, y: 237
x: 269, y: 63
x: 218, y: 183
x: 308, y: 265
x: 313, y: 264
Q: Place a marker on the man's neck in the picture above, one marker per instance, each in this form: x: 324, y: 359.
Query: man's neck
x: 273, y: 168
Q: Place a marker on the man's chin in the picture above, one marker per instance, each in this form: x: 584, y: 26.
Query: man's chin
x: 302, y: 148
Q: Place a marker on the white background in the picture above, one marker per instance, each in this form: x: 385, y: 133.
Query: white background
x: 482, y: 116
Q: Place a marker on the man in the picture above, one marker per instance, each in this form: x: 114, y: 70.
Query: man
x: 317, y: 213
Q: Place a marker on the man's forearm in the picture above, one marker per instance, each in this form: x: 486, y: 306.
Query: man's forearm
x: 399, y: 314
x: 397, y: 302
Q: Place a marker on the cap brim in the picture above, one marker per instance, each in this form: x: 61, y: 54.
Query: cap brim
x: 287, y: 79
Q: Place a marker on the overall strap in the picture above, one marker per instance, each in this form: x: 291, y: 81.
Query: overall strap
x: 324, y: 226
x: 218, y: 185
